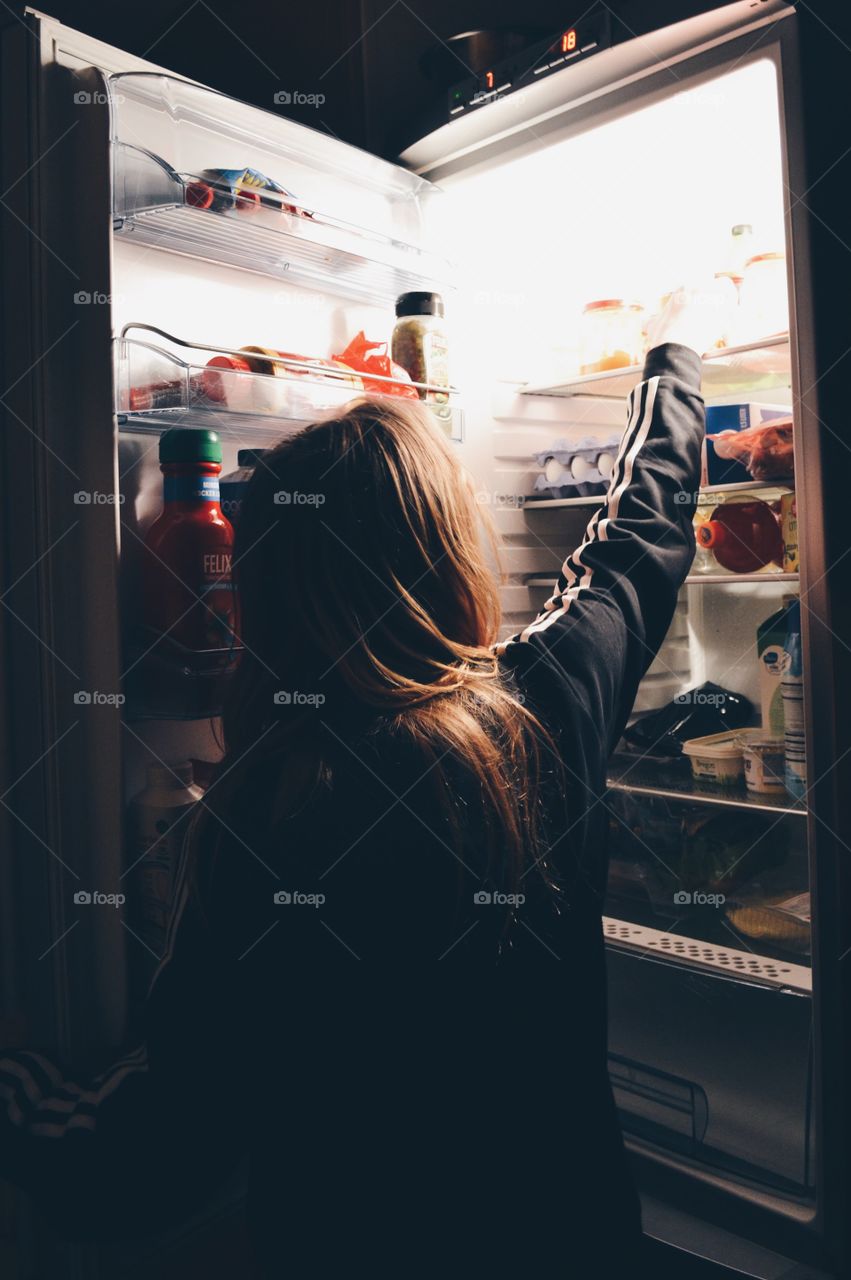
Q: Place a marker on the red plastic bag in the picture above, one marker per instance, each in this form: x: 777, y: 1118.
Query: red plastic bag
x: 371, y: 357
x: 766, y: 450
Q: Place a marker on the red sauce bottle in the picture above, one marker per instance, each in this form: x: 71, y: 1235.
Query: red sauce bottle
x: 188, y: 591
x: 743, y: 536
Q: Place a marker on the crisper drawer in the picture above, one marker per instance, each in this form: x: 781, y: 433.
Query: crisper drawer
x: 197, y: 173
x: 715, y: 1069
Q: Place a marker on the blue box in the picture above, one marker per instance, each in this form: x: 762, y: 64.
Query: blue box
x: 733, y: 417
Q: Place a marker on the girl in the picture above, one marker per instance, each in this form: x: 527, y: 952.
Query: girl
x: 384, y: 981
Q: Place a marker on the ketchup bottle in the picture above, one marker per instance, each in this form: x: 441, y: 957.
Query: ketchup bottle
x: 743, y: 536
x: 187, y: 588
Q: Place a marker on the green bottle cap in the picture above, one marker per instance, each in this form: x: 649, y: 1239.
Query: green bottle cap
x: 190, y: 444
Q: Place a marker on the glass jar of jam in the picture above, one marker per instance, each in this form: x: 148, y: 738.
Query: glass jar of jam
x: 610, y: 335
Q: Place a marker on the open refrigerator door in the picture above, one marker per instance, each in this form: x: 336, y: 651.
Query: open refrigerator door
x: 227, y: 277
x: 572, y: 227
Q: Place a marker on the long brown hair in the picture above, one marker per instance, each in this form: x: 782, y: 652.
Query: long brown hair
x: 364, y: 579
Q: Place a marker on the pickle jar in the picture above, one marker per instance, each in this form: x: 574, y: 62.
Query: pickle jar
x: 420, y: 346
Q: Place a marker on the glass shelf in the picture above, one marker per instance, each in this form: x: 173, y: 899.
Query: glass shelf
x: 169, y: 382
x: 648, y: 777
x: 768, y: 488
x: 542, y: 582
x: 196, y: 173
x: 722, y: 579
x: 747, y: 370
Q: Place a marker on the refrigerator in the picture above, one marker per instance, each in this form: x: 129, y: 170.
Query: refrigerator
x: 601, y: 166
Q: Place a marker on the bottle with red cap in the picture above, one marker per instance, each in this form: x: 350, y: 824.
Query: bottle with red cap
x: 743, y: 537
x: 188, y: 592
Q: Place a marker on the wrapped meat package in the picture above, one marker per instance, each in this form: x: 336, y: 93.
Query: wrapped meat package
x: 765, y: 450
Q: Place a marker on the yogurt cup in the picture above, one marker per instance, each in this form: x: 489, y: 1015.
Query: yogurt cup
x: 717, y: 758
x: 764, y: 764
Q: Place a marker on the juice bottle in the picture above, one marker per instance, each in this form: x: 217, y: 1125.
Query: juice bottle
x: 743, y: 536
x: 770, y: 641
x: 187, y: 588
x: 792, y: 687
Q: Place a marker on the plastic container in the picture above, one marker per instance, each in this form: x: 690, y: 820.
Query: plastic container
x: 763, y: 298
x: 575, y: 470
x: 610, y: 335
x: 764, y: 765
x: 770, y: 638
x: 744, y: 537
x: 792, y: 688
x: 782, y: 920
x: 232, y: 487
x: 717, y: 758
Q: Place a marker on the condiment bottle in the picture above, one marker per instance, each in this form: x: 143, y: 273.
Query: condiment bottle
x: 233, y: 486
x: 158, y: 819
x: 420, y: 346
x: 739, y: 251
x: 187, y: 587
x: 743, y: 536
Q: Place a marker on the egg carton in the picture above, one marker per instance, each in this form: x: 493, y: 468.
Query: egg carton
x: 575, y: 470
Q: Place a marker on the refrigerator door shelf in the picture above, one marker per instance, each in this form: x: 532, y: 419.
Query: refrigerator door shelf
x: 199, y: 174
x: 158, y: 386
x: 165, y: 681
x: 744, y: 371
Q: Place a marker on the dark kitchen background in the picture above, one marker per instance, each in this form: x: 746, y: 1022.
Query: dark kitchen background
x: 383, y: 66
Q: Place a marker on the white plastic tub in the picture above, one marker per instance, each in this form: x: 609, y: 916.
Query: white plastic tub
x: 717, y: 758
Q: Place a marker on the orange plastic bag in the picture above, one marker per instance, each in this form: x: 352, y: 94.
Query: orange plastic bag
x: 765, y: 450
x: 372, y: 358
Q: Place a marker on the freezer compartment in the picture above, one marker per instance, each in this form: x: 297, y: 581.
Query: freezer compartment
x: 197, y: 173
x: 710, y: 1056
x: 162, y: 380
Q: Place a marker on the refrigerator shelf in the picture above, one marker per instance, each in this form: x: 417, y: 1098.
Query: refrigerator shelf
x: 744, y: 966
x: 721, y: 579
x: 543, y: 582
x: 596, y: 499
x: 159, y: 386
x: 747, y: 370
x: 197, y: 173
x: 650, y: 778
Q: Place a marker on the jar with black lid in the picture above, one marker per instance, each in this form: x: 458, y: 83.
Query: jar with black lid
x: 421, y: 348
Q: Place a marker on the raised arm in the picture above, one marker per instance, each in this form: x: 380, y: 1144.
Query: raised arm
x: 615, y: 596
